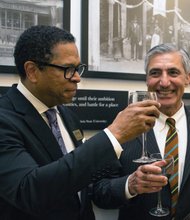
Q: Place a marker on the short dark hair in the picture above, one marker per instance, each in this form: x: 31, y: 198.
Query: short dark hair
x: 37, y: 42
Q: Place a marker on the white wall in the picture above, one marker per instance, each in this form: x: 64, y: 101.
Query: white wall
x: 8, y: 79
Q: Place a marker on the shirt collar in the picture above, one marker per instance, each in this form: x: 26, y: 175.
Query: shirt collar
x: 161, y: 121
x: 40, y: 107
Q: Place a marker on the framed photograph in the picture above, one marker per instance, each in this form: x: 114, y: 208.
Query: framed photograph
x: 117, y: 34
x: 16, y: 16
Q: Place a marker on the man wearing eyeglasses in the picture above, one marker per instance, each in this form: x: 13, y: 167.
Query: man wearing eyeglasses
x: 44, y: 164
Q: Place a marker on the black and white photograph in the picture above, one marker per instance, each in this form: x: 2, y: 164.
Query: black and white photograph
x: 18, y: 15
x: 120, y: 32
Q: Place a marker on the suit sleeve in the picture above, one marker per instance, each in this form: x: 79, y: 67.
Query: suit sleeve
x: 35, y: 187
x: 109, y: 193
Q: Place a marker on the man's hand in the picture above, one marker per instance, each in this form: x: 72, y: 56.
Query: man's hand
x: 147, y: 179
x: 137, y: 118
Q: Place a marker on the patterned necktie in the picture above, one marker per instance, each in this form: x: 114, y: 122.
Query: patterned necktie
x: 52, y: 118
x: 171, y: 147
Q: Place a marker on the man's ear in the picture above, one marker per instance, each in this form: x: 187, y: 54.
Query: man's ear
x: 31, y: 70
x: 187, y: 81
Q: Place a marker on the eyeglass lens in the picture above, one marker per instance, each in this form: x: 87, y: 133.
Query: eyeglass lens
x: 69, y: 72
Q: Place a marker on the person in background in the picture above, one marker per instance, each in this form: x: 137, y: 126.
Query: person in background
x: 44, y: 165
x: 168, y: 74
x: 156, y: 39
x: 183, y: 40
x: 135, y: 36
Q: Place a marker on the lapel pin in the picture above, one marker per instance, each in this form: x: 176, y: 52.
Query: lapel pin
x: 78, y: 135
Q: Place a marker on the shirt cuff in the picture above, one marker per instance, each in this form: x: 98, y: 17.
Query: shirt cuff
x: 127, y: 193
x: 116, y: 145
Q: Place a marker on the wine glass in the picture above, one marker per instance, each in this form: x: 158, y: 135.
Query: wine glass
x: 167, y: 170
x: 137, y: 97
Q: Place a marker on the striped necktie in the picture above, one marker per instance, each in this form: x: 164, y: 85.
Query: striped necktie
x: 52, y: 119
x: 171, y: 147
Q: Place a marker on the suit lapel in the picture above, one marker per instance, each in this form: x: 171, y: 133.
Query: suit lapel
x: 73, y: 128
x: 35, y: 123
x: 152, y: 143
x: 186, y: 172
x: 44, y: 134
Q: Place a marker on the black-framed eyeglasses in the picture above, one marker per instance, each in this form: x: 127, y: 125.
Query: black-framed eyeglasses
x: 69, y: 71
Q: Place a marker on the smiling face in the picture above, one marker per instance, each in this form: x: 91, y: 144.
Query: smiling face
x: 167, y: 77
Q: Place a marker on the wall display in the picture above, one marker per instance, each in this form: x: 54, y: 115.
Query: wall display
x: 18, y: 15
x: 96, y: 109
x: 118, y: 33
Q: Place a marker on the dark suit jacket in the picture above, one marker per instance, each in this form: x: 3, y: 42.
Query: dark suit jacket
x: 109, y: 193
x: 36, y: 180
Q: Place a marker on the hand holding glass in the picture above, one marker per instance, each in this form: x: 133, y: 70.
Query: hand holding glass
x: 159, y: 210
x: 137, y: 97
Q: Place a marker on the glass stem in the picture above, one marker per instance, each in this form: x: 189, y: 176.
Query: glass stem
x: 159, y: 204
x: 144, y: 143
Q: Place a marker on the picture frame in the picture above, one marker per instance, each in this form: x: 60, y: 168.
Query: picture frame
x: 107, y: 34
x: 17, y: 16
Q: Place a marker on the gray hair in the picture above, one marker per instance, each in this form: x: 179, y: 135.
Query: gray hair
x: 168, y: 48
